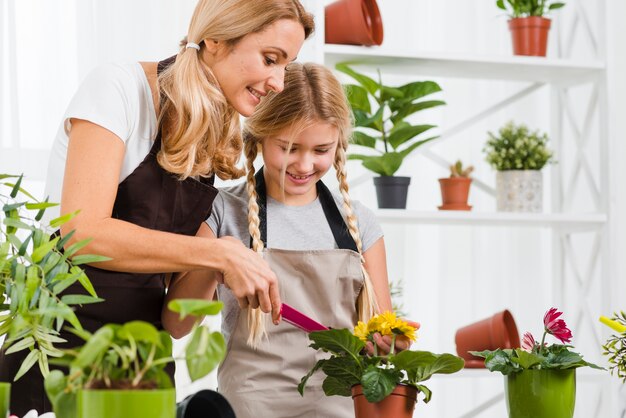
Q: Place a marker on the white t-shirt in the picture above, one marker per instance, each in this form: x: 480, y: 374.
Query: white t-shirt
x: 118, y: 98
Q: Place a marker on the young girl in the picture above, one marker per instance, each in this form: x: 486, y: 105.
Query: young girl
x: 327, y: 251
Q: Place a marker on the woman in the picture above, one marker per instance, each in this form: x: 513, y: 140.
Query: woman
x: 137, y: 153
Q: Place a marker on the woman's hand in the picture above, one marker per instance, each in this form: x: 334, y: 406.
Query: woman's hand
x: 250, y: 278
x: 384, y: 343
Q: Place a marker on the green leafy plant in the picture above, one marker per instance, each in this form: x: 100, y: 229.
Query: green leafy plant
x: 349, y: 364
x: 537, y: 355
x: 383, y: 128
x: 457, y: 170
x: 34, y: 271
x: 517, y: 148
x: 615, y: 347
x: 133, y: 356
x: 526, y: 8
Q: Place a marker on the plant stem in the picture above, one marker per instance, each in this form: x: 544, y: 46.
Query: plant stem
x: 393, y: 344
x: 543, y: 339
x: 380, y: 102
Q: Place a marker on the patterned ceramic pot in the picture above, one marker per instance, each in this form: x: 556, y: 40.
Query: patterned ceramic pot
x: 519, y: 190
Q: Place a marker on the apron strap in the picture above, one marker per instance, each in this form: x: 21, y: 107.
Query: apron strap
x: 338, y: 226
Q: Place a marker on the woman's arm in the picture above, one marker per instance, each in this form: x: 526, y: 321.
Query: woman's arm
x: 94, y: 160
x: 199, y: 284
x: 376, y: 267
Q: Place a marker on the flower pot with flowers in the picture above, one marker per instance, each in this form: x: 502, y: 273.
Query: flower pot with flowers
x: 384, y: 131
x: 455, y: 189
x: 121, y: 369
x: 540, y: 379
x: 615, y: 350
x: 518, y: 155
x: 381, y: 385
x: 529, y: 28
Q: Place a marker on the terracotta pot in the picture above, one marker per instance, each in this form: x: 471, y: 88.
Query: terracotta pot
x: 454, y: 193
x: 399, y: 404
x: 530, y: 35
x: 497, y: 331
x: 354, y: 22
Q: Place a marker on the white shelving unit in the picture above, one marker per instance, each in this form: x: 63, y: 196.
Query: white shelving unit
x: 571, y: 270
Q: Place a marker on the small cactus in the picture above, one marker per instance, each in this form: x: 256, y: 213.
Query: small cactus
x: 457, y: 170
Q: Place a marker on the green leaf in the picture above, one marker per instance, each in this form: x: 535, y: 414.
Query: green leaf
x: 369, y: 84
x: 358, y: 98
x: 74, y: 248
x: 389, y: 93
x: 500, y: 4
x: 413, y: 91
x: 16, y: 189
x: 337, y: 341
x: 40, y: 205
x: 335, y: 387
x: 97, y: 345
x: 401, y: 136
x: 44, y: 249
x: 28, y: 362
x: 379, y: 383
x: 63, y: 399
x: 17, y: 224
x: 427, y: 393
x: 139, y: 331
x: 555, y: 6
x: 57, y: 222
x: 344, y: 368
x: 204, y: 352
x: 374, y: 121
x: 412, y: 108
x: 421, y: 365
x: 88, y: 259
x: 525, y: 359
x: 196, y: 307
x: 364, y: 140
x: 80, y: 299
x: 21, y: 345
x: 304, y: 379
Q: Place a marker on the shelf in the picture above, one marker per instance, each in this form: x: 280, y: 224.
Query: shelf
x: 578, y: 222
x: 512, y: 68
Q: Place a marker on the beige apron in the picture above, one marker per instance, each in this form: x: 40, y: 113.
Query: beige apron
x: 323, y: 284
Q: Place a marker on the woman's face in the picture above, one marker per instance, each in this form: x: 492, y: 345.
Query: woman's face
x: 310, y: 156
x: 256, y: 64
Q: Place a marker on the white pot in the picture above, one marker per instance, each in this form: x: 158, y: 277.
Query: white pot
x: 519, y: 190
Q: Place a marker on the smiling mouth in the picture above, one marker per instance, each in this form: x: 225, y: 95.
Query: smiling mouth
x: 299, y: 177
x: 255, y: 93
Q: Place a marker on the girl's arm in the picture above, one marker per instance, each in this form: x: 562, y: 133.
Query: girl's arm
x: 376, y: 267
x: 94, y: 160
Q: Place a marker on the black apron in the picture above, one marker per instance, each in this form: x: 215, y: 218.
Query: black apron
x: 151, y: 198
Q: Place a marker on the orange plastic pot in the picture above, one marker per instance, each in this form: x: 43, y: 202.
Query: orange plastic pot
x: 454, y: 193
x: 530, y: 35
x: 399, y: 404
x: 497, y: 331
x: 353, y: 22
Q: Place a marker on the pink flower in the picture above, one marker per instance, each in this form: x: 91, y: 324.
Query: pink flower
x: 528, y: 342
x: 556, y: 327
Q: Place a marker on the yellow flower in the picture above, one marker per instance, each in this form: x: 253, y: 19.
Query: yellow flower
x: 402, y: 328
x: 361, y: 331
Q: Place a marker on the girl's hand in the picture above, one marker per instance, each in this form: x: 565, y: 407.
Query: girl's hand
x: 384, y: 343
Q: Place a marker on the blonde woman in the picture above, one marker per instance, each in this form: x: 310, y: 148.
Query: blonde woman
x: 137, y: 152
x: 327, y: 251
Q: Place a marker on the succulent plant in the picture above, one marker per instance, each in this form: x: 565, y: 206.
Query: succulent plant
x: 457, y: 170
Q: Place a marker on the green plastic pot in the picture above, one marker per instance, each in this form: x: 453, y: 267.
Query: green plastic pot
x: 5, y: 398
x: 126, y: 403
x: 541, y: 393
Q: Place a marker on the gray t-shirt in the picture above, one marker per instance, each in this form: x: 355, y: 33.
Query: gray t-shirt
x: 288, y: 228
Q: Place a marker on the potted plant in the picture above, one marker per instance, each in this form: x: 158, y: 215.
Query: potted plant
x: 379, y: 384
x: 529, y: 28
x: 120, y: 371
x: 518, y: 155
x: 540, y: 379
x: 615, y: 350
x: 353, y: 22
x: 34, y: 271
x: 455, y: 189
x: 384, y: 130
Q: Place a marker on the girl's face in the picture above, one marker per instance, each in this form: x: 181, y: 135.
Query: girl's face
x: 310, y: 156
x: 256, y: 64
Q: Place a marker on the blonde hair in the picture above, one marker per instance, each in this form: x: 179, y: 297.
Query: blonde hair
x: 312, y: 94
x: 203, y: 134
